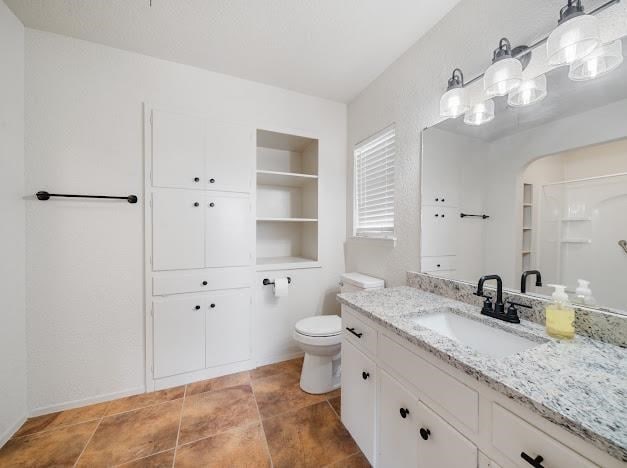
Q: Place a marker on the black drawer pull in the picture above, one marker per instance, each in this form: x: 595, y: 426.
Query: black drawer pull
x: 197, y: 307
x: 196, y: 179
x: 352, y: 330
x: 365, y: 375
x: 535, y: 462
x: 404, y: 412
x: 424, y: 433
x: 196, y: 204
x: 212, y: 181
x: 212, y: 204
x: 212, y: 306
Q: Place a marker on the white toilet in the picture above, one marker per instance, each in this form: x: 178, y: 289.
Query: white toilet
x: 320, y: 337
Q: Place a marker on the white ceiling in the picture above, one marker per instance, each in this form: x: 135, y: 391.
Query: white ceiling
x: 326, y: 48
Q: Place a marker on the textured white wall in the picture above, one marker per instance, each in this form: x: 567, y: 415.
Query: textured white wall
x: 408, y: 93
x: 12, y: 278
x: 85, y: 259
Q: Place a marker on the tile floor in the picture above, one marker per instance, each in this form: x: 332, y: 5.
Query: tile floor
x: 259, y: 418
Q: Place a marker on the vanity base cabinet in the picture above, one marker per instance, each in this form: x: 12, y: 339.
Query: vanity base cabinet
x: 358, y: 397
x: 439, y: 444
x: 398, y: 426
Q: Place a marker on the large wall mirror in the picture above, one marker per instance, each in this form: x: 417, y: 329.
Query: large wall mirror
x: 542, y: 187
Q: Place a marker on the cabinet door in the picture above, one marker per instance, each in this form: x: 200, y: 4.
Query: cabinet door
x: 358, y: 397
x: 439, y: 231
x: 485, y: 462
x: 228, y: 327
x: 178, y: 150
x: 177, y: 230
x: 441, y: 445
x: 398, y: 429
x: 228, y: 239
x: 230, y: 158
x: 179, y: 335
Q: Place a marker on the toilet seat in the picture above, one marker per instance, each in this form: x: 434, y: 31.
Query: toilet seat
x: 319, y: 326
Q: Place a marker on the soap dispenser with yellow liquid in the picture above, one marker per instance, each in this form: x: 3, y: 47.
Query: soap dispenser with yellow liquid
x: 560, y: 316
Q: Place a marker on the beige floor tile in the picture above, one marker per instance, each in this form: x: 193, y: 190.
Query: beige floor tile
x: 145, y: 399
x: 309, y: 437
x: 62, y: 418
x: 336, y: 404
x: 242, y: 447
x: 135, y: 434
x: 226, y: 381
x: 59, y: 447
x: 207, y: 414
x: 354, y: 461
x: 281, y: 393
x: 158, y: 460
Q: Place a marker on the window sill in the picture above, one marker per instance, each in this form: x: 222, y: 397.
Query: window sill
x: 386, y: 240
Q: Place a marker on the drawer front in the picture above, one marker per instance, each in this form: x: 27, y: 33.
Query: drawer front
x: 439, y: 231
x: 439, y: 263
x: 177, y: 282
x: 461, y: 402
x: 512, y: 436
x: 442, y: 274
x: 358, y: 332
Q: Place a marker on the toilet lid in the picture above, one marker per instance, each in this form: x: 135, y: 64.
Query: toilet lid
x: 320, y: 325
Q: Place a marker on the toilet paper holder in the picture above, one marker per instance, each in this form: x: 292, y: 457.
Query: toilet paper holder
x: 266, y: 281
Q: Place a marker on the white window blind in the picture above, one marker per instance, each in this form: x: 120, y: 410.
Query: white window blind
x: 374, y: 185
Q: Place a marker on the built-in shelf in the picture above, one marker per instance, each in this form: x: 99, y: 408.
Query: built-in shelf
x: 284, y: 179
x: 526, y: 228
x: 567, y: 220
x: 288, y: 220
x: 576, y: 241
x: 527, y: 252
x: 285, y: 263
x: 527, y: 204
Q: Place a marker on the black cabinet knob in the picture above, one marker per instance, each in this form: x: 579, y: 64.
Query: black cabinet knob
x: 196, y: 179
x: 437, y: 199
x: 443, y: 216
x: 204, y: 283
x: 437, y: 215
x: 212, y: 204
x: 212, y: 181
x: 197, y: 307
x: 424, y: 433
x: 365, y: 375
x: 438, y: 265
x: 443, y: 200
x: 212, y: 306
x: 196, y: 204
x: 404, y: 412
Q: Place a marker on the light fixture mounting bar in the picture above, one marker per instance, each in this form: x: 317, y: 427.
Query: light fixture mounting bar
x: 538, y: 43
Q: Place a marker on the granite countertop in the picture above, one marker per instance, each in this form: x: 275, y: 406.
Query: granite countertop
x: 580, y: 384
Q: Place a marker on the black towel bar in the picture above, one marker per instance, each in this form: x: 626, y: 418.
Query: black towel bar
x: 266, y: 281
x: 46, y: 196
x: 466, y: 215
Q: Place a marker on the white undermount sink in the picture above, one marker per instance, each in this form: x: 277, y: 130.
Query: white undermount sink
x: 477, y: 335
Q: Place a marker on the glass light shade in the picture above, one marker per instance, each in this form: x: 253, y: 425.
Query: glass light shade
x: 480, y: 113
x: 502, y: 77
x: 529, y: 92
x: 600, y: 61
x: 454, y: 103
x: 573, y: 39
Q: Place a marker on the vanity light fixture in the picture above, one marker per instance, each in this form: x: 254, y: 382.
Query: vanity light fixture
x: 454, y: 102
x: 600, y: 61
x: 480, y: 113
x: 576, y: 35
x: 505, y: 73
x: 529, y: 92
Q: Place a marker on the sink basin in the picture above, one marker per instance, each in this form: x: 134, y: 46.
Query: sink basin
x: 477, y: 335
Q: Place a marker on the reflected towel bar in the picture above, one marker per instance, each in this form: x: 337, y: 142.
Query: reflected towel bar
x: 46, y: 196
x: 466, y: 215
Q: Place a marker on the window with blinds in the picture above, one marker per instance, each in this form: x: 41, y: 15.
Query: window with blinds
x: 373, y: 187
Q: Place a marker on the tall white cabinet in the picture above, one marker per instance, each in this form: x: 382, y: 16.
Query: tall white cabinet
x: 200, y: 243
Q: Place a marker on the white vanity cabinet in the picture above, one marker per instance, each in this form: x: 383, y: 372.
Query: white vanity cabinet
x: 415, y: 410
x: 193, y: 152
x: 359, y: 379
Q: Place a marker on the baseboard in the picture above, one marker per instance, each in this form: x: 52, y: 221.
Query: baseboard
x: 278, y: 358
x: 86, y: 401
x: 6, y: 435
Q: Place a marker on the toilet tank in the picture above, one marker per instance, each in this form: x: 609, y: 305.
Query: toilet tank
x: 352, y: 282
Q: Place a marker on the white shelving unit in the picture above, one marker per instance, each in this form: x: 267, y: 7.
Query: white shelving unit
x: 527, y: 227
x: 287, y: 201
